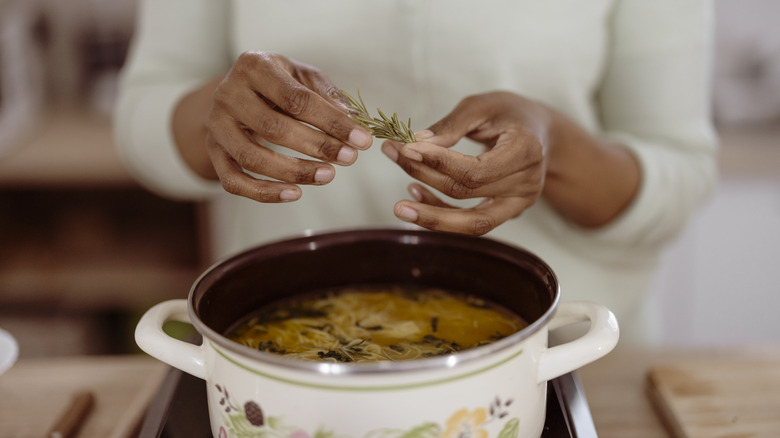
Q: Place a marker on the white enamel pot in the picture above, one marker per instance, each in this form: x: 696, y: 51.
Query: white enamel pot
x: 496, y: 390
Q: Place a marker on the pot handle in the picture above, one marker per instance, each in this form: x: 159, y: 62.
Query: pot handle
x: 149, y: 335
x: 600, y: 339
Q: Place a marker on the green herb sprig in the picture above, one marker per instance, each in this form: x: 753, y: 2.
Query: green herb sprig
x: 390, y: 128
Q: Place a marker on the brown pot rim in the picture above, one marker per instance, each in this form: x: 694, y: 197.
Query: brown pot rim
x: 399, y: 235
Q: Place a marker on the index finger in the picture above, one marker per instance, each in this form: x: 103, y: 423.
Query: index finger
x: 478, y: 220
x: 306, y: 105
x: 325, y: 88
x: 430, y: 162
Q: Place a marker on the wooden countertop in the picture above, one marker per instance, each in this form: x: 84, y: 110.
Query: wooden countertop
x: 615, y: 386
x: 35, y: 392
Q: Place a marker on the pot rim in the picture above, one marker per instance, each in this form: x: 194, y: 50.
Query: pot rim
x: 379, y: 367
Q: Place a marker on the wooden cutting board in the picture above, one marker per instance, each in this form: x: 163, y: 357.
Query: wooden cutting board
x: 734, y: 398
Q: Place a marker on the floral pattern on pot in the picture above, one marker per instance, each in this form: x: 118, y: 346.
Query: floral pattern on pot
x: 249, y: 421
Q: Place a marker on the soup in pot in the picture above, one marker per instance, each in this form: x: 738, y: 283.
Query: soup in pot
x: 360, y: 324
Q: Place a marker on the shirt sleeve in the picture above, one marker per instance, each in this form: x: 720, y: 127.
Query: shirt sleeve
x: 178, y: 45
x: 655, y: 100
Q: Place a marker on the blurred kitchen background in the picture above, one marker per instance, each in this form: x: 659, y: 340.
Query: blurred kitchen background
x: 84, y: 250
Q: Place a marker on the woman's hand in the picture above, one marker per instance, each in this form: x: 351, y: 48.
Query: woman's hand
x: 531, y: 151
x: 509, y: 175
x: 266, y: 97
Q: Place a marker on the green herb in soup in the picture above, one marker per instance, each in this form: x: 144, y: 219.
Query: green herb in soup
x: 367, y: 324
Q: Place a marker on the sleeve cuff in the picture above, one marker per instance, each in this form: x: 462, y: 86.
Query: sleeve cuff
x: 148, y: 149
x: 674, y: 183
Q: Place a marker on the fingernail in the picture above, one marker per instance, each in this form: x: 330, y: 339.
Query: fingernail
x: 323, y: 175
x: 287, y: 195
x: 411, y: 154
x: 390, y: 151
x: 422, y: 135
x: 415, y: 192
x: 360, y: 138
x: 406, y: 214
x: 346, y: 155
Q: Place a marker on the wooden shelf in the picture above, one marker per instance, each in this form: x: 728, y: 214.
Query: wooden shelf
x: 71, y: 146
x: 96, y: 287
x: 97, y: 249
x: 77, y: 233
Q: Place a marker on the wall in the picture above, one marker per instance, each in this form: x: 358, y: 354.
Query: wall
x: 720, y: 282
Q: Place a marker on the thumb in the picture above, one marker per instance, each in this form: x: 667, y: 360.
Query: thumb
x: 464, y: 119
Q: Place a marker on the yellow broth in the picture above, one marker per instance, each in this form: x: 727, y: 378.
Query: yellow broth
x: 371, y: 324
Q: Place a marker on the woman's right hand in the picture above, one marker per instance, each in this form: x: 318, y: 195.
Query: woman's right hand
x: 267, y: 97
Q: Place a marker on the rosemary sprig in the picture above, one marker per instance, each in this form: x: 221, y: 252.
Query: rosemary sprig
x: 390, y: 128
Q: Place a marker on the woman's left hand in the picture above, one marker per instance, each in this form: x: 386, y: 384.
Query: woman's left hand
x: 508, y: 176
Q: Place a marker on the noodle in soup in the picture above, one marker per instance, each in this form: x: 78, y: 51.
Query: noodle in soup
x: 372, y: 324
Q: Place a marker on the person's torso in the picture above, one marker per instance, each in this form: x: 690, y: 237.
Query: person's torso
x: 419, y: 58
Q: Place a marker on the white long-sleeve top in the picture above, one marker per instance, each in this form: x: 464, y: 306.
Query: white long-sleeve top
x: 634, y: 71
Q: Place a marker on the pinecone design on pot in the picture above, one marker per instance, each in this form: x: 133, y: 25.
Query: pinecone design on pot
x: 253, y: 413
